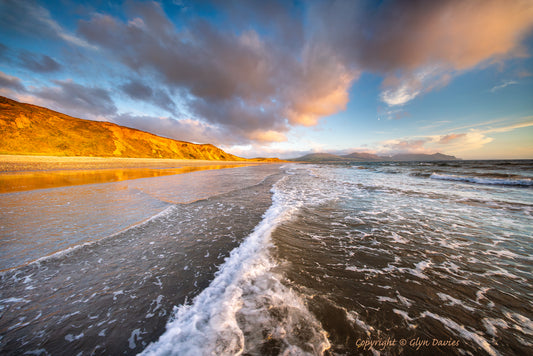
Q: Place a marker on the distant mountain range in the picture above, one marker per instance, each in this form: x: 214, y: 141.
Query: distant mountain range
x: 368, y: 157
x: 33, y: 130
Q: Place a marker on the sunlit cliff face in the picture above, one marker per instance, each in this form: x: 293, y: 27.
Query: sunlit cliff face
x: 28, y: 129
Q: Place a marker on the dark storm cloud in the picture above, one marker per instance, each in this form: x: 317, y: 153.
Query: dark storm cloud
x: 78, y: 100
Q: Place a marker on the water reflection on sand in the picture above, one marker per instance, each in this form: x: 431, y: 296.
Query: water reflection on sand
x: 23, y: 181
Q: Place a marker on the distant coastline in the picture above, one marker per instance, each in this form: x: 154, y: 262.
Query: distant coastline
x: 368, y: 157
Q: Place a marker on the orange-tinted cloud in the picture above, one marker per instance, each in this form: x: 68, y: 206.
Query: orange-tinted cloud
x: 415, y: 145
x: 262, y: 67
x: 451, y: 137
x: 317, y: 97
x: 419, y: 45
x: 253, y: 86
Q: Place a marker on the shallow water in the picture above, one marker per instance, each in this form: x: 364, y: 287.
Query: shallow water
x: 32, y: 180
x: 42, y: 222
x: 115, y: 295
x: 353, y: 259
x: 403, y: 258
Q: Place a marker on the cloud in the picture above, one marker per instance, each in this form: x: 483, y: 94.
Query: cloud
x: 419, y: 45
x: 405, y: 146
x: 450, y: 138
x: 138, y: 90
x: 10, y: 82
x: 251, y: 85
x: 184, y: 130
x: 257, y: 69
x: 462, y: 142
x: 268, y: 136
x: 456, y: 143
x: 453, y: 143
x: 503, y: 85
x: 510, y: 127
x: 28, y: 17
x: 38, y: 62
x: 74, y: 99
x: 400, y: 95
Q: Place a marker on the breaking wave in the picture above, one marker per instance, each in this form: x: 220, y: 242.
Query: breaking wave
x: 246, y: 308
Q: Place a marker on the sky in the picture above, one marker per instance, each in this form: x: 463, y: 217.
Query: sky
x: 284, y: 78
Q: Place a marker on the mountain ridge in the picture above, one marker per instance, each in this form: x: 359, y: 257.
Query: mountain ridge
x: 27, y: 129
x: 368, y: 157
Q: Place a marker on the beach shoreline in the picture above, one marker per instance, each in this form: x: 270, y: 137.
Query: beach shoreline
x: 23, y: 173
x: 26, y: 163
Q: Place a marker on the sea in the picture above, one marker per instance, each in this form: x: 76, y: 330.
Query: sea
x: 382, y: 258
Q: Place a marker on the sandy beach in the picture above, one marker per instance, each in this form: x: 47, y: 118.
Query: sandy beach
x: 22, y: 173
x: 21, y: 163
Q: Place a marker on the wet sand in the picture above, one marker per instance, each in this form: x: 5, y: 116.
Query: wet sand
x: 22, y: 173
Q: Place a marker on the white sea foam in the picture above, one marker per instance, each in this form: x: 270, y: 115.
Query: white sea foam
x: 419, y: 270
x: 398, y: 239
x: 521, y: 323
x: 246, y: 298
x: 355, y: 319
x: 70, y: 337
x: 461, y: 330
x: 14, y: 300
x: 490, y: 325
x: 134, y: 337
x: 479, y: 180
x: 386, y: 299
x: 454, y: 301
x: 406, y: 317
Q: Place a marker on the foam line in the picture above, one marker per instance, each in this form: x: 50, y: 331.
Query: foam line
x: 233, y: 314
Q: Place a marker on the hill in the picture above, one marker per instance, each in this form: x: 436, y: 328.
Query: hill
x: 32, y: 130
x: 423, y: 157
x: 368, y: 157
x: 319, y: 157
x: 357, y: 156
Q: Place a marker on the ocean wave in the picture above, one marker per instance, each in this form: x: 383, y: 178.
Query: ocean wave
x: 246, y: 307
x: 526, y: 182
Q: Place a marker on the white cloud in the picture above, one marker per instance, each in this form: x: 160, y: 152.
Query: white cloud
x: 503, y: 85
x: 399, y: 96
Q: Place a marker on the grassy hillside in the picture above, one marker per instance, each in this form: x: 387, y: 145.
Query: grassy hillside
x: 32, y: 130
